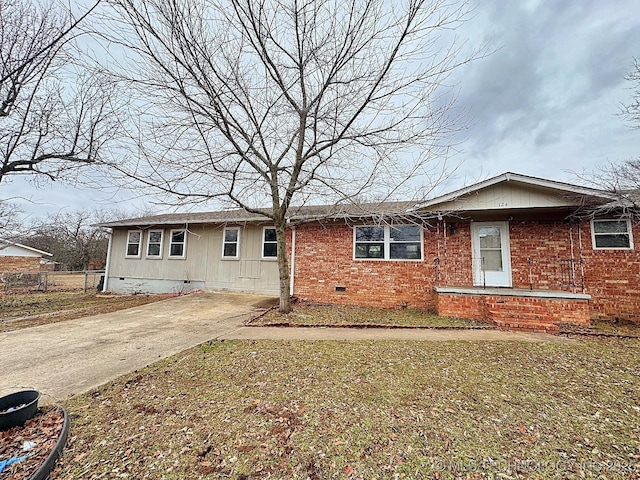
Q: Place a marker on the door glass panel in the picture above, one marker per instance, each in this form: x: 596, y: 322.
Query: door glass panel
x: 490, y: 248
x: 490, y: 237
x: 492, y: 260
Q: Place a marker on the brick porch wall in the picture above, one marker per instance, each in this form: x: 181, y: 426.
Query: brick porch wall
x: 19, y: 264
x: 515, y: 312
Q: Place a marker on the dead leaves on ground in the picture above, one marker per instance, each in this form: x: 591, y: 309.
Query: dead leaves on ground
x: 260, y: 410
x: 43, y: 431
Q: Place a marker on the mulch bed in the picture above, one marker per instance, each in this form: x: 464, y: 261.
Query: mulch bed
x: 43, y: 430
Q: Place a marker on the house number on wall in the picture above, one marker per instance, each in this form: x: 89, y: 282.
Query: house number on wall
x: 502, y: 204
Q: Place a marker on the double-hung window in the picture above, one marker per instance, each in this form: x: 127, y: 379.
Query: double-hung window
x: 388, y: 242
x: 154, y: 244
x: 134, y: 239
x: 269, y: 243
x: 611, y: 234
x: 231, y: 242
x: 178, y: 244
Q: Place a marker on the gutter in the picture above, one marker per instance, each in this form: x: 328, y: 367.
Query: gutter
x: 106, y: 267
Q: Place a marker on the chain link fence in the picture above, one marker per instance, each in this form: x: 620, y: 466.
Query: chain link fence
x: 87, y: 280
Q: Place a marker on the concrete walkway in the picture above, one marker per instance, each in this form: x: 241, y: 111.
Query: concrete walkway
x: 67, y: 358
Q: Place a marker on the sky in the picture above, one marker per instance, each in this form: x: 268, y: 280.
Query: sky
x: 545, y: 102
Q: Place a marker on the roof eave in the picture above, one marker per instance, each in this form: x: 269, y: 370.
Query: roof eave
x: 516, y: 177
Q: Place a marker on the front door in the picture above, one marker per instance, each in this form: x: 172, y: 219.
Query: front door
x: 491, y: 255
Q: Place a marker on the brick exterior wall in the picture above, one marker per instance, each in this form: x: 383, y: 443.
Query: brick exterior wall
x: 612, y: 278
x: 19, y: 264
x: 324, y: 261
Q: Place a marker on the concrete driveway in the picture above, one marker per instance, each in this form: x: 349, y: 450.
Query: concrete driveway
x: 66, y: 358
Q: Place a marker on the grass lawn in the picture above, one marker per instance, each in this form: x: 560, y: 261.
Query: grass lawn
x: 31, y: 309
x: 387, y: 409
x: 345, y: 315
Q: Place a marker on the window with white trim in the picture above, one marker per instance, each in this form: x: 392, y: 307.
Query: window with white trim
x: 231, y: 242
x: 154, y: 244
x: 611, y: 234
x: 387, y: 242
x: 134, y: 239
x: 178, y: 244
x: 269, y: 243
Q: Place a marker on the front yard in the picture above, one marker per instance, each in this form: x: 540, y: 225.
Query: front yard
x: 389, y: 409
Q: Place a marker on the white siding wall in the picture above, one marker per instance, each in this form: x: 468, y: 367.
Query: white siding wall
x: 202, y: 267
x: 508, y: 196
x: 15, y: 251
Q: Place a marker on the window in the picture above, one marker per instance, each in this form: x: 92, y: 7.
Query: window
x: 389, y: 242
x: 370, y: 242
x: 134, y: 238
x: 611, y: 234
x: 230, y: 241
x: 269, y: 243
x: 154, y: 244
x: 177, y: 248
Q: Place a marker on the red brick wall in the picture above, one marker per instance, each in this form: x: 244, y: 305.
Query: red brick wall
x: 544, y: 242
x: 453, y: 249
x: 19, y: 264
x: 324, y: 260
x: 536, y: 313
x: 612, y: 278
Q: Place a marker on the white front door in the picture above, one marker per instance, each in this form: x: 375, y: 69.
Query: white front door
x: 491, y: 254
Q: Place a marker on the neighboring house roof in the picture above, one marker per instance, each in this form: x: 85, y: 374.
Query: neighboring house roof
x: 512, y: 189
x: 13, y: 249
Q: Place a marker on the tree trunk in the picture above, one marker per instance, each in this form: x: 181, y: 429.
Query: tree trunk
x: 283, y: 267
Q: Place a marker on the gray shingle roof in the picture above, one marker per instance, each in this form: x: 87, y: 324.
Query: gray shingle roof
x: 296, y: 214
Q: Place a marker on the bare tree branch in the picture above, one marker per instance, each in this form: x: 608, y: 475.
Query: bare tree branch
x: 268, y: 102
x: 620, y: 180
x: 53, y: 116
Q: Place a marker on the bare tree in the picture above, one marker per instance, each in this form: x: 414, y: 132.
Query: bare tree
x: 267, y: 102
x: 9, y: 218
x: 632, y: 111
x: 621, y: 180
x: 71, y: 237
x: 53, y: 117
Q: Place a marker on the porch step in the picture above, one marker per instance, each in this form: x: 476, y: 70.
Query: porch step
x: 521, y: 316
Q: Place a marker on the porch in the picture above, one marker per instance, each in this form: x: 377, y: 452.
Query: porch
x: 543, y: 293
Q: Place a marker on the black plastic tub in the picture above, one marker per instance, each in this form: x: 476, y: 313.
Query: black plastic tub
x: 17, y: 408
x: 45, y: 469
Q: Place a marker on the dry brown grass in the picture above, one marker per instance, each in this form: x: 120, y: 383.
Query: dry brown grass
x: 309, y: 314
x: 368, y: 410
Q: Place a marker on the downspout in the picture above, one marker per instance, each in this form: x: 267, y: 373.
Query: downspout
x: 293, y: 260
x: 106, y: 267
